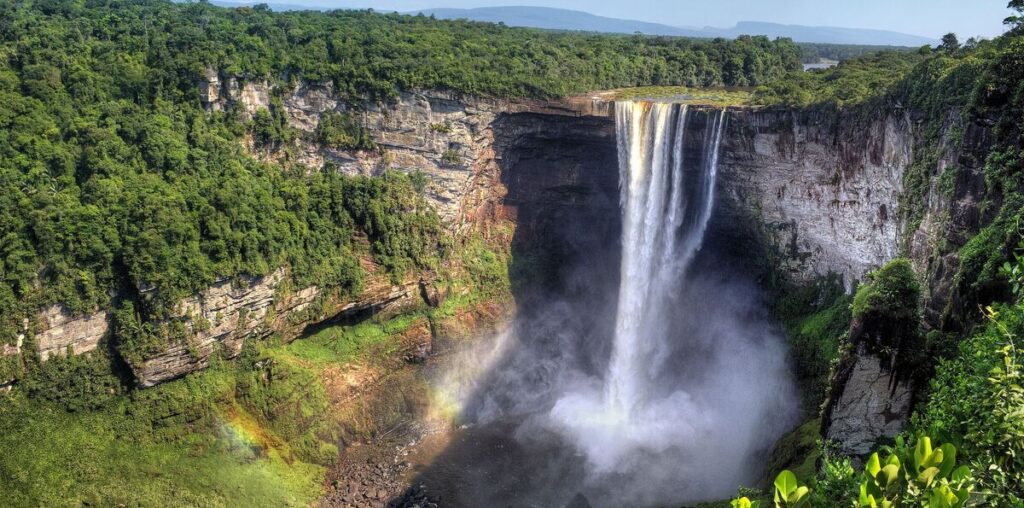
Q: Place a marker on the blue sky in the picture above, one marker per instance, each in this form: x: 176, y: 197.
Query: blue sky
x: 930, y: 18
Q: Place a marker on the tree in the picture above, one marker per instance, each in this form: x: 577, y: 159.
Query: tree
x: 1015, y: 21
x: 950, y: 42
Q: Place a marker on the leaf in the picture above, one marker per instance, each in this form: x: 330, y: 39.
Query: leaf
x: 927, y: 476
x: 942, y: 497
x: 935, y: 459
x: 799, y: 496
x: 948, y: 460
x: 866, y: 500
x: 922, y: 451
x: 872, y: 467
x: 889, y: 475
x: 742, y: 502
x: 893, y: 460
x: 961, y: 474
x: 785, y: 483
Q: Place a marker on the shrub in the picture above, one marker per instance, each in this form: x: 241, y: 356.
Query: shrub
x: 909, y: 476
x: 976, y: 400
x: 451, y: 157
x: 343, y: 131
x: 891, y: 292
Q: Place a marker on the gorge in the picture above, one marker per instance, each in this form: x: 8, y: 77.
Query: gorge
x: 251, y: 258
x: 749, y: 181
x: 702, y: 188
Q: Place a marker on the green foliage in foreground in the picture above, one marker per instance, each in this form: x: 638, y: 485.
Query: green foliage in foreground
x: 977, y: 402
x: 909, y: 476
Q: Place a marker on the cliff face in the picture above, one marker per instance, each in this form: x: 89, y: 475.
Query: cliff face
x: 230, y: 312
x: 419, y: 131
x: 824, y: 194
x: 819, y: 190
x: 448, y: 137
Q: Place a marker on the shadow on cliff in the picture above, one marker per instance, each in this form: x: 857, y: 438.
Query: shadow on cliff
x: 561, y: 175
x: 563, y: 183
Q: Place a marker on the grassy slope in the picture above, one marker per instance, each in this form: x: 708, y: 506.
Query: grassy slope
x: 57, y: 458
x: 257, y: 431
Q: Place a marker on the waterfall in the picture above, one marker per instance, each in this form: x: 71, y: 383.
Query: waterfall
x: 660, y: 385
x: 666, y: 195
x: 696, y: 384
x: 663, y: 227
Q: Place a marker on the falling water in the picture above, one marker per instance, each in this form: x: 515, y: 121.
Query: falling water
x: 656, y: 247
x: 666, y: 204
x: 694, y: 387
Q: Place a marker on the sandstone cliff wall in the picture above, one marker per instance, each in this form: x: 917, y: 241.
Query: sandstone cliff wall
x: 824, y: 193
x: 821, y: 190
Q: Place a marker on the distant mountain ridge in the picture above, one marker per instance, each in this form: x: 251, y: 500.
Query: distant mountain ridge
x: 565, y: 19
x: 559, y: 19
x: 827, y: 34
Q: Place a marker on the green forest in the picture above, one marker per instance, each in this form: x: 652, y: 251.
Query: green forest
x: 114, y: 176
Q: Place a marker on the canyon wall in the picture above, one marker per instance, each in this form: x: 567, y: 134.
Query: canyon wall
x: 418, y: 131
x: 817, y: 193
x: 823, y: 194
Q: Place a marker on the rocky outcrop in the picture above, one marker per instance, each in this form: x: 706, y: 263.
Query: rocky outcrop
x: 60, y: 330
x: 872, y: 404
x: 823, y: 189
x: 220, y: 319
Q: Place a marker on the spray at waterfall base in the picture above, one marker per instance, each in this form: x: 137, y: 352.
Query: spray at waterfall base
x: 679, y: 401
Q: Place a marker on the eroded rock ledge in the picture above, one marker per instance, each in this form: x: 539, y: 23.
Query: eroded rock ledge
x: 230, y: 312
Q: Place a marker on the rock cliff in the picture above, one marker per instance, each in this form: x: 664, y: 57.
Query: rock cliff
x: 223, y: 317
x: 823, y: 191
x: 820, y: 190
